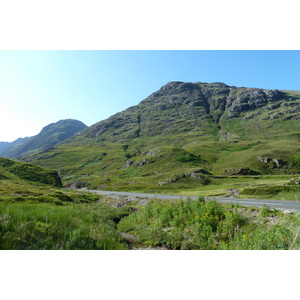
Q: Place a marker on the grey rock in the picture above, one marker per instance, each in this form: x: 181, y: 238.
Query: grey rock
x: 144, y: 162
x: 128, y: 163
x: 295, y: 180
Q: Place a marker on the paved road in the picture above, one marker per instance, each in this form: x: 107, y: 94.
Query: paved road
x: 282, y: 205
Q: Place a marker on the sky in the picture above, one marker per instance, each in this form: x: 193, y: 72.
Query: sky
x: 42, y: 87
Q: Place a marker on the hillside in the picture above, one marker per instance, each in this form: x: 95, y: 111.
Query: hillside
x: 50, y: 136
x: 24, y: 179
x: 10, y: 169
x: 185, y: 136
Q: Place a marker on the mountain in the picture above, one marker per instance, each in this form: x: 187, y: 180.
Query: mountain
x: 50, y: 136
x: 3, y: 146
x: 186, y: 107
x: 185, y: 135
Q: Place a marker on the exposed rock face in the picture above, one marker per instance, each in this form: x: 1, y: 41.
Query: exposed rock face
x: 271, y: 161
x: 201, y: 175
x: 128, y: 163
x: 144, y: 162
x: 245, y: 99
x: 77, y: 185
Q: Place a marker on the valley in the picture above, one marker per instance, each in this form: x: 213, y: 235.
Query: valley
x: 195, y: 137
x: 188, y: 140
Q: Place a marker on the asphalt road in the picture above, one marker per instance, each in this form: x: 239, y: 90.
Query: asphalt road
x: 282, y: 205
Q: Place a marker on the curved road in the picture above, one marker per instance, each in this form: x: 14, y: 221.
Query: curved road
x: 278, y: 204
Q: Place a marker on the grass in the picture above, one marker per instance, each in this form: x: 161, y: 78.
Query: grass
x: 171, y: 156
x: 81, y: 222
x: 11, y: 169
x: 48, y: 227
x: 211, y: 226
x: 144, y: 178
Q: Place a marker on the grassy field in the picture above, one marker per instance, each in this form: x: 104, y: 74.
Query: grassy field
x: 36, y: 213
x: 164, y: 164
x: 194, y: 225
x: 36, y: 226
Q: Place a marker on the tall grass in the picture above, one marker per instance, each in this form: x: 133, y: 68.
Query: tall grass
x: 170, y: 224
x: 71, y: 227
x: 200, y: 225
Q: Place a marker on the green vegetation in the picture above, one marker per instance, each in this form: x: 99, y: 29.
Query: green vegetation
x: 197, y: 139
x: 35, y: 213
x: 190, y: 158
x: 281, y: 192
x: 170, y: 134
x: 177, y: 131
x: 71, y: 227
x: 30, y: 172
x: 81, y: 222
x: 211, y: 226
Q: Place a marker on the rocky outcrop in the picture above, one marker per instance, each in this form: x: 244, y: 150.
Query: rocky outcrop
x: 241, y: 171
x: 295, y: 180
x: 201, y: 175
x: 246, y: 99
x: 144, y: 162
x: 76, y: 185
x: 274, y: 162
x: 128, y: 163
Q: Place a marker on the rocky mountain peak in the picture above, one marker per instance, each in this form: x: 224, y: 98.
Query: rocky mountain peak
x: 175, y: 87
x: 170, y: 85
x: 184, y: 107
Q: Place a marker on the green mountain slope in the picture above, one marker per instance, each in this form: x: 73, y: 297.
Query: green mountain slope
x: 19, y: 179
x: 50, y: 136
x: 10, y: 169
x: 184, y: 136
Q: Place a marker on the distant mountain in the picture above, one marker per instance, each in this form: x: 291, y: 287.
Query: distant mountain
x: 183, y: 134
x: 50, y: 136
x: 3, y: 145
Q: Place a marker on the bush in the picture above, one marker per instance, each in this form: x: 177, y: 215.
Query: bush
x: 190, y: 158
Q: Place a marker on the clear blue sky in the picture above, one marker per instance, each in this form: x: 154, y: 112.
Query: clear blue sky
x: 42, y: 87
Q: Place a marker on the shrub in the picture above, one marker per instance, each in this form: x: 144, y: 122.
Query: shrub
x: 190, y: 158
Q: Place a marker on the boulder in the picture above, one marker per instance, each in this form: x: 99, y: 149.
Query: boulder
x: 295, y: 180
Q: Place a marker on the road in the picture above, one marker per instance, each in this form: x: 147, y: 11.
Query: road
x: 281, y: 205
